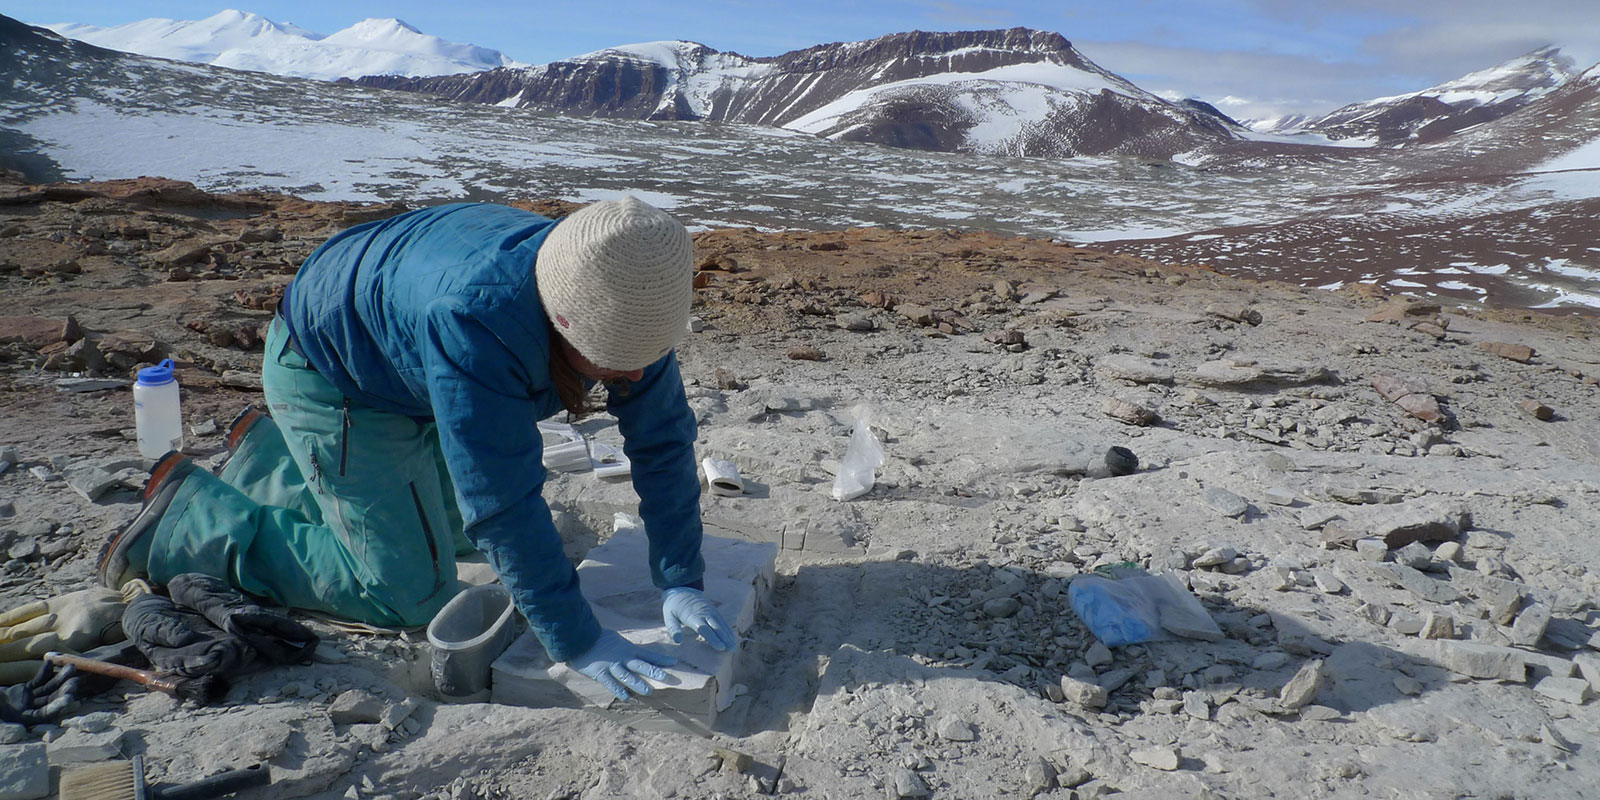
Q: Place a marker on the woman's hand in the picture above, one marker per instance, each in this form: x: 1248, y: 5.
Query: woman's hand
x: 683, y: 607
x: 618, y: 664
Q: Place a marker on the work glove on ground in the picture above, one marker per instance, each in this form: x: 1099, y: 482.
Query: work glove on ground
x: 683, y: 607
x: 275, y: 637
x: 45, y: 697
x: 70, y: 623
x: 617, y: 664
x: 176, y: 639
x: 53, y: 690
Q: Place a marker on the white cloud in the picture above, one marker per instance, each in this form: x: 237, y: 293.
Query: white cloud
x: 1245, y: 85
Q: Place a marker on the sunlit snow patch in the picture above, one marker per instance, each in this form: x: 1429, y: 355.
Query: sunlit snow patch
x: 658, y: 199
x: 1564, y: 297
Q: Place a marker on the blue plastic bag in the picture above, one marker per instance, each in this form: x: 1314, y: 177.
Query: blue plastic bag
x: 1132, y: 606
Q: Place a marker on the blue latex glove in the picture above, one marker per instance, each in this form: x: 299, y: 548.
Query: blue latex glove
x: 615, y: 663
x: 682, y: 606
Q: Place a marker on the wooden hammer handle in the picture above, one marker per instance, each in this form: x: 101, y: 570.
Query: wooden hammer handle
x: 139, y: 676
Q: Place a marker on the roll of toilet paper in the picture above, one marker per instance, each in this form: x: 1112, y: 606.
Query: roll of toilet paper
x: 723, y: 477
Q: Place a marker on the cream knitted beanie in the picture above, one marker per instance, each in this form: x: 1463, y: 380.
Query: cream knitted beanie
x: 617, y: 279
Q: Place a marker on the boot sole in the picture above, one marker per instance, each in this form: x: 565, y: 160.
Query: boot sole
x: 114, y: 567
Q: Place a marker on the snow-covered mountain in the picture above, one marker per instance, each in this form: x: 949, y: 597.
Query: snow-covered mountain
x: 1278, y: 124
x: 1438, y: 111
x: 1013, y: 92
x: 240, y: 40
x: 1508, y: 210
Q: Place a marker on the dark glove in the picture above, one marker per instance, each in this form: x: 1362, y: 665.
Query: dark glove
x: 274, y: 636
x: 43, y: 698
x: 179, y: 640
x: 53, y: 690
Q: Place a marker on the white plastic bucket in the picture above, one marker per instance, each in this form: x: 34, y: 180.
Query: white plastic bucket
x: 467, y: 635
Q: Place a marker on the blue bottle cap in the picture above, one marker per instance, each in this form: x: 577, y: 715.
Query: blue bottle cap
x: 157, y: 375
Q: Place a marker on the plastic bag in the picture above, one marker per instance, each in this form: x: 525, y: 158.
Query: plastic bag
x: 859, y: 470
x: 1132, y: 606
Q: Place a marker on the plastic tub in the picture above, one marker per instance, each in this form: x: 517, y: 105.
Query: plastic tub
x: 467, y: 635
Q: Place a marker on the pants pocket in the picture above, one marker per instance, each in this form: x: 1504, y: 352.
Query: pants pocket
x: 344, y: 439
x: 428, y: 535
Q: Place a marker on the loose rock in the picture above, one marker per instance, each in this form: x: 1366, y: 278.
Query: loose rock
x: 1327, y: 582
x: 1372, y: 549
x: 1567, y: 690
x: 1001, y: 607
x: 1040, y: 776
x: 1538, y: 410
x: 956, y: 730
x: 77, y: 747
x: 1215, y: 557
x: 1226, y: 503
x: 91, y: 482
x: 1162, y: 758
x: 1128, y: 413
x: 1530, y: 625
x: 356, y: 707
x: 1438, y: 626
x: 1084, y: 693
x: 1482, y: 661
x: 908, y: 784
x: 1098, y: 655
x: 1516, y: 352
x: 1303, y: 687
x: 24, y: 772
x: 1410, y: 394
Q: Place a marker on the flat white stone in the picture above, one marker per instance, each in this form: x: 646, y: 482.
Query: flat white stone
x: 24, y: 772
x: 1279, y: 496
x: 1589, y: 665
x: 76, y: 747
x: 1162, y: 758
x: 1567, y: 690
x: 1372, y: 549
x: 1327, y: 582
x: 616, y: 581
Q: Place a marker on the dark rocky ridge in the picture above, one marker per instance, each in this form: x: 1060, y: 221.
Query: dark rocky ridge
x: 785, y: 88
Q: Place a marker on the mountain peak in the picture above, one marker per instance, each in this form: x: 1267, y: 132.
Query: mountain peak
x: 1542, y: 69
x: 381, y: 25
x: 668, y: 53
x: 1440, y: 110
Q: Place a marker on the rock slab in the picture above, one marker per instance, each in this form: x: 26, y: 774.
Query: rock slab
x: 24, y: 772
x: 1303, y: 687
x: 1482, y: 661
x: 616, y: 581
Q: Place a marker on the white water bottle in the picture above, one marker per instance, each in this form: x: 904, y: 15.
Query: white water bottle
x: 156, y: 415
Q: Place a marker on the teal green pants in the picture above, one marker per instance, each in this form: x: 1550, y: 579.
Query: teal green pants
x: 327, y: 506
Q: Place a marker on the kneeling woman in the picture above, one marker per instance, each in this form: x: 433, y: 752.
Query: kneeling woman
x: 410, y: 362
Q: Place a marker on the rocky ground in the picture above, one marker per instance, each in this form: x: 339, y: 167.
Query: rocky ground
x: 919, y: 643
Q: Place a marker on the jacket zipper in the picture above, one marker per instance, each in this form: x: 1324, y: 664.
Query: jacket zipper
x: 344, y: 439
x: 427, y: 534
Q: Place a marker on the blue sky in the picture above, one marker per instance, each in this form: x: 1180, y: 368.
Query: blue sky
x: 1250, y: 57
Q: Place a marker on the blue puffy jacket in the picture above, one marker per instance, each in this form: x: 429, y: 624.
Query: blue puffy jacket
x: 435, y: 313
